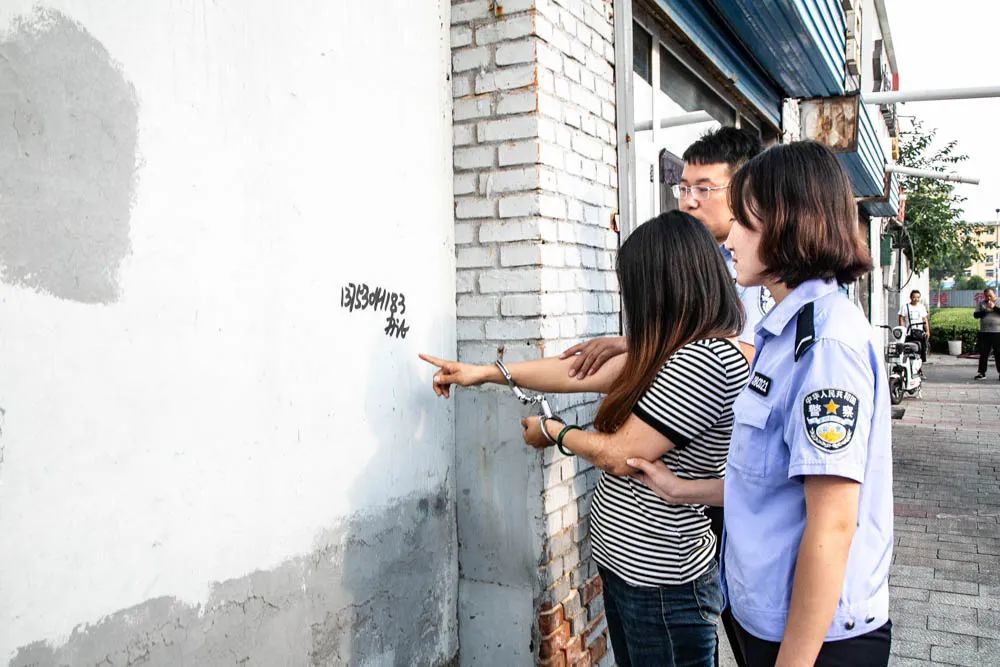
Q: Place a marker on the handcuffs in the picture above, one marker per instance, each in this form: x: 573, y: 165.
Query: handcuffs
x: 537, y: 399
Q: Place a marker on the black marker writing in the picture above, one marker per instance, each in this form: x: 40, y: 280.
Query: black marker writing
x: 359, y: 296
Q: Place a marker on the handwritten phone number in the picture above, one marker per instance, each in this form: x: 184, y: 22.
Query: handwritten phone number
x: 362, y: 297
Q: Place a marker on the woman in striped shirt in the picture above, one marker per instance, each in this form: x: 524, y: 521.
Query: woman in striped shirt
x: 669, y: 398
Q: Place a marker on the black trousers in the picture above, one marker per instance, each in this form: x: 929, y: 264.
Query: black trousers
x: 728, y: 622
x: 868, y: 650
x: 919, y: 336
x: 988, y: 342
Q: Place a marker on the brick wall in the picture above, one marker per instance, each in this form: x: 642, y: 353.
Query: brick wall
x: 535, y: 187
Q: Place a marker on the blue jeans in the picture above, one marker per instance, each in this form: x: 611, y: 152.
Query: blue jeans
x: 665, y: 626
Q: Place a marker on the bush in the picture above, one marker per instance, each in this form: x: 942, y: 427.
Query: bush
x: 971, y: 282
x: 953, y: 324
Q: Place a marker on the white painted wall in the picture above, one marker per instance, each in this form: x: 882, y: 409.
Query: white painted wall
x: 227, y: 409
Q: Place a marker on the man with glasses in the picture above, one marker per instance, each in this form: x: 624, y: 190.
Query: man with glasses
x: 703, y: 192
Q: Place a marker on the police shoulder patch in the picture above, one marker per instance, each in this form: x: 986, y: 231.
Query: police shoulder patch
x: 830, y: 417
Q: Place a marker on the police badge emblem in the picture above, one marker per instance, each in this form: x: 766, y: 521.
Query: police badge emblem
x: 830, y: 417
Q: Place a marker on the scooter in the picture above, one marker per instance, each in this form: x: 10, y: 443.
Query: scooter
x: 903, y: 360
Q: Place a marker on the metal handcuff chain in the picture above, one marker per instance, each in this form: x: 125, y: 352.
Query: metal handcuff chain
x: 537, y: 399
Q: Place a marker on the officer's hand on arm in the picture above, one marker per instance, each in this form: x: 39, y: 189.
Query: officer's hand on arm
x: 658, y: 422
x: 831, y: 517
x: 592, y: 354
x: 663, y: 482
x: 607, y: 451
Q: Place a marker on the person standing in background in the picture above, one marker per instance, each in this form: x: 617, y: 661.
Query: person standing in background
x: 913, y: 316
x: 988, y: 314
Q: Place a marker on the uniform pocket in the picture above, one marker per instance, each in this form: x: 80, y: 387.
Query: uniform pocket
x: 748, y: 448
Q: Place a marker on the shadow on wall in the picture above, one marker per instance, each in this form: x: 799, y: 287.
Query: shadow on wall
x: 67, y: 160
x: 378, y: 589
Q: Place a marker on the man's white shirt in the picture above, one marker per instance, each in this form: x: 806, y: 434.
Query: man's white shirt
x: 915, y: 315
x: 757, y: 301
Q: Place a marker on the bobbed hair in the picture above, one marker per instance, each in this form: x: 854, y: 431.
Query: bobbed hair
x: 801, y: 200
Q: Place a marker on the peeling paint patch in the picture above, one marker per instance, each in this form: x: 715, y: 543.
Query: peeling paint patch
x: 378, y: 590
x: 68, y: 134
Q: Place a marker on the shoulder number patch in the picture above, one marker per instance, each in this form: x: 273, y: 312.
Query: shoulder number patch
x: 760, y: 383
x: 830, y: 417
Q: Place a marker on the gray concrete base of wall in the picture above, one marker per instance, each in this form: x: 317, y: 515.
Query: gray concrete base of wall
x: 381, y: 589
x: 500, y: 529
x: 495, y: 623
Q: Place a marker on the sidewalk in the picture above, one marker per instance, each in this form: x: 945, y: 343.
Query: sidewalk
x: 945, y: 578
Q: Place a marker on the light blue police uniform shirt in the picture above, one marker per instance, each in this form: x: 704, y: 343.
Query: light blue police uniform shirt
x: 825, y: 414
x: 756, y: 301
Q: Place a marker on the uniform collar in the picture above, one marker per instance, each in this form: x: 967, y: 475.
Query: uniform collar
x: 811, y: 290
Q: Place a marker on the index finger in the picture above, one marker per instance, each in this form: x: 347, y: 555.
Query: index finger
x: 440, y: 363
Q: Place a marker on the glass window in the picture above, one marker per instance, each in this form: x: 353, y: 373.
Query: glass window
x: 642, y: 46
x: 676, y: 97
x: 689, y: 93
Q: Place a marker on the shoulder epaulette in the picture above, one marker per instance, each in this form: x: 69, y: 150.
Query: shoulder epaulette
x: 805, y: 330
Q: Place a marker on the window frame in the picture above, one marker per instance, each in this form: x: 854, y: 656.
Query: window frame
x: 663, y: 35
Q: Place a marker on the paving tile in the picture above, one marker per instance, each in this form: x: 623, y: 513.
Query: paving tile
x: 945, y: 577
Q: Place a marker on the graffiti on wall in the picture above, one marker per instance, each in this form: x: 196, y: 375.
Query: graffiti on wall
x: 360, y: 297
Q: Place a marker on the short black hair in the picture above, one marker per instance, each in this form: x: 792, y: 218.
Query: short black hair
x: 916, y: 291
x: 726, y: 145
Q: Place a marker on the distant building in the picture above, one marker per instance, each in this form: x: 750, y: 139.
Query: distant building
x: 988, y: 242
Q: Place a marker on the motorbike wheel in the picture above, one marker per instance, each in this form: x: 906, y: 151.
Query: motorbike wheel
x: 895, y: 391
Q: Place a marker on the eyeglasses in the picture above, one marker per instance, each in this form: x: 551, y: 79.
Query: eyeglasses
x: 695, y: 192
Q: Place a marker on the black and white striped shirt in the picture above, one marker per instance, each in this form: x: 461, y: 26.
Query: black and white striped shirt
x: 635, y: 534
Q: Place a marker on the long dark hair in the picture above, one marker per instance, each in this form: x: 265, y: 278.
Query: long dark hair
x: 675, y: 289
x: 808, y: 219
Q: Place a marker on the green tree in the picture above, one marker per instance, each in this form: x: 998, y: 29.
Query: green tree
x: 970, y: 282
x: 939, y: 239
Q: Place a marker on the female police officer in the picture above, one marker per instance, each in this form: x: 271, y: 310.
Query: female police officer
x: 808, y: 487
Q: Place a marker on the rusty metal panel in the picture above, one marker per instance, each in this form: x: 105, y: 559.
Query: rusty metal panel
x: 832, y: 121
x: 848, y: 128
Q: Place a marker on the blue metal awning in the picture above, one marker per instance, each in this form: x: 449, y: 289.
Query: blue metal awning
x: 772, y: 49
x: 866, y: 165
x: 885, y: 207
x: 801, y: 44
x: 714, y: 39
